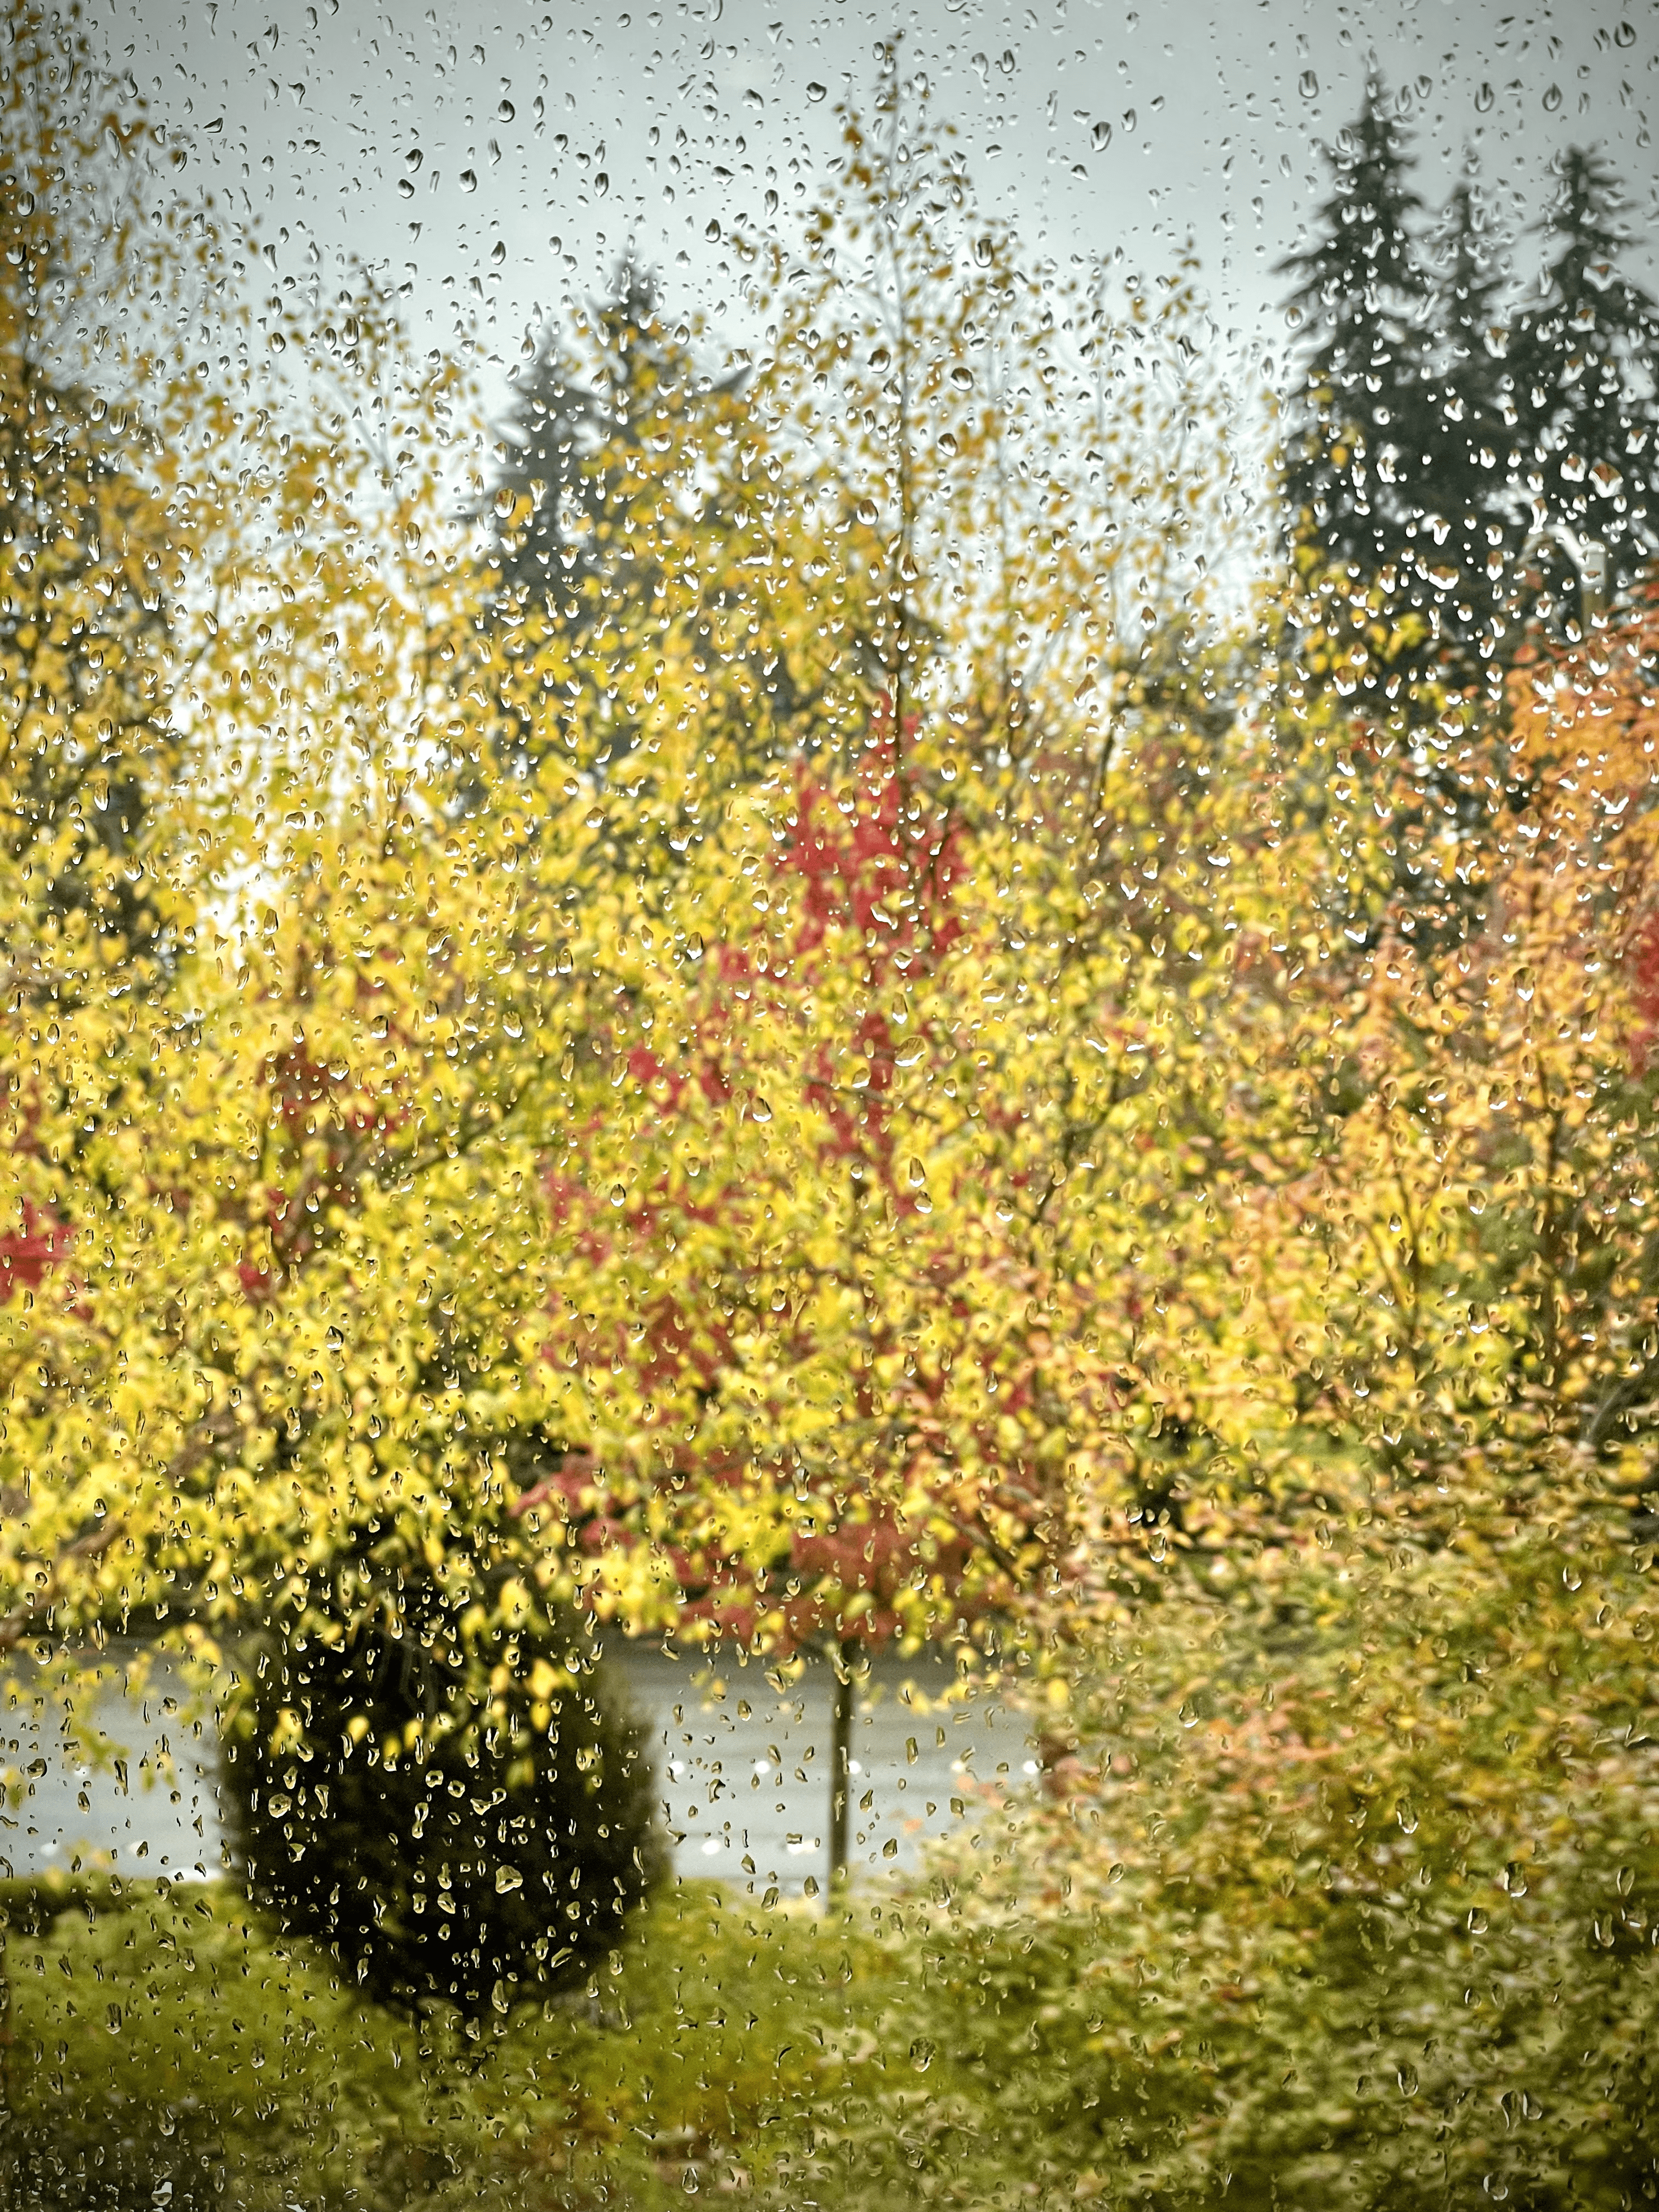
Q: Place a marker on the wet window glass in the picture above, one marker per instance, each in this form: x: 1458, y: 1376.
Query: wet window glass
x: 828, y: 1106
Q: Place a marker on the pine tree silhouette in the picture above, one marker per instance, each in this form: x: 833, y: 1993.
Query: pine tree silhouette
x: 598, y: 448
x: 567, y: 439
x: 1359, y: 444
x: 1478, y: 517
x: 1584, y: 363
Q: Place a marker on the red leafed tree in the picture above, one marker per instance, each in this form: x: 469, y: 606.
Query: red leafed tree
x: 27, y: 1253
x: 830, y: 1399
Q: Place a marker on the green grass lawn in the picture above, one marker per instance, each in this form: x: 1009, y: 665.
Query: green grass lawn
x: 731, y: 2050
x: 165, y: 2054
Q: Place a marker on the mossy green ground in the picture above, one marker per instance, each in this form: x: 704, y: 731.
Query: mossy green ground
x: 728, y: 2048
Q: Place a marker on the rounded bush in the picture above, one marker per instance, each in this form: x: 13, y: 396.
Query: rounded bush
x: 427, y: 1774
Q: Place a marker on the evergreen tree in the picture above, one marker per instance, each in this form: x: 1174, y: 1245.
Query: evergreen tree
x: 600, y: 446
x: 1585, y: 363
x: 1478, y: 520
x: 1359, y: 451
x: 566, y: 441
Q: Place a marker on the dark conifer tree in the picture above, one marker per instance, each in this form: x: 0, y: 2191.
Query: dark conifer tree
x: 1358, y: 448
x: 1476, y: 519
x: 601, y: 443
x: 1584, y: 358
x: 571, y: 431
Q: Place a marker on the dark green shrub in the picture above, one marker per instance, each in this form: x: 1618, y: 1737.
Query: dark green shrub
x: 427, y: 1775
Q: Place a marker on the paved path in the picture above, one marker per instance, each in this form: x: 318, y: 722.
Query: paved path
x: 742, y: 1766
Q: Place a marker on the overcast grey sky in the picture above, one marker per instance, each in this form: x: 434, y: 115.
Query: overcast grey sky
x: 1088, y: 126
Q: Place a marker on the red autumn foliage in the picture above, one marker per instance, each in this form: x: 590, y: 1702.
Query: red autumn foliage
x: 26, y: 1253
x: 874, y: 865
x: 315, y: 1106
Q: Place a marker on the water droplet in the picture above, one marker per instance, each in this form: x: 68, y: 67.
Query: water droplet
x: 816, y: 92
x: 1552, y: 100
x: 1101, y: 136
x: 1307, y: 85
x: 1483, y: 99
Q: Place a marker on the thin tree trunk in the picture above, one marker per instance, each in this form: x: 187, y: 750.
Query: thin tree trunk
x: 841, y: 1759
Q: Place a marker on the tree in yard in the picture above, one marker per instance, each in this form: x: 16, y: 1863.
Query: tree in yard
x: 1584, y: 375
x: 329, y: 1065
x: 1480, y: 524
x: 427, y: 1774
x: 826, y: 1400
x: 1363, y: 424
x: 824, y: 1320
x: 89, y: 551
x: 97, y: 898
x: 830, y: 1336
